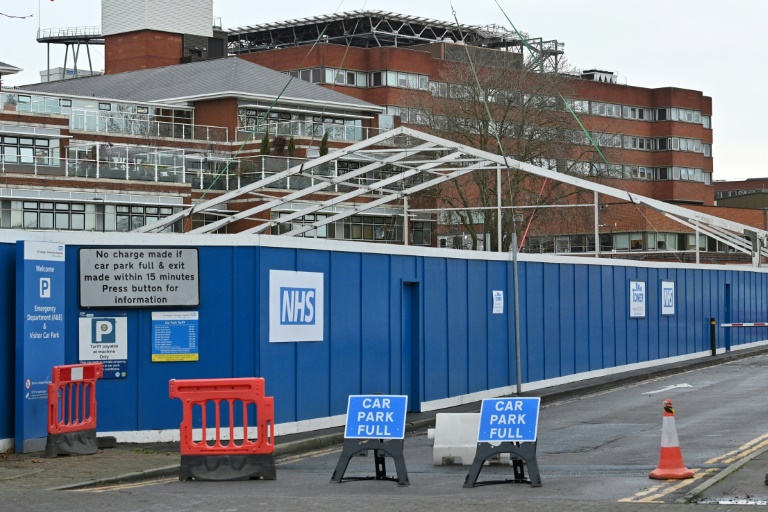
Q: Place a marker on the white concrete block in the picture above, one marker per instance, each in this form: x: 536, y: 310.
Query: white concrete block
x: 455, y: 438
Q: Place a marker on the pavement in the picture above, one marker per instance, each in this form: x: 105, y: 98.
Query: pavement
x: 740, y: 483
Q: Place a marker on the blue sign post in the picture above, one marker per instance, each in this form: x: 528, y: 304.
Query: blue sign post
x: 509, y: 419
x: 376, y: 417
x: 40, y: 303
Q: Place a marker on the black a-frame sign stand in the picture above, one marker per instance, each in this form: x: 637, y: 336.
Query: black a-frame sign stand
x: 391, y: 447
x: 520, y: 452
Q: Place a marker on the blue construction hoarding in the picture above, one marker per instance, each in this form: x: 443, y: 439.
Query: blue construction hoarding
x: 321, y: 321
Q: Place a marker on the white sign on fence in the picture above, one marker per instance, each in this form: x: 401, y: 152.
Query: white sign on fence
x: 637, y: 299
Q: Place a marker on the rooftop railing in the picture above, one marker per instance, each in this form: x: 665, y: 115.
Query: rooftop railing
x: 53, y: 33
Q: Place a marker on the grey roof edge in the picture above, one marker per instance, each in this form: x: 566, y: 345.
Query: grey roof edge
x: 7, y: 69
x: 256, y: 97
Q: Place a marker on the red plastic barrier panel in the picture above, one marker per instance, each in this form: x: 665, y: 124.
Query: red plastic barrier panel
x: 72, y: 397
x: 204, y: 393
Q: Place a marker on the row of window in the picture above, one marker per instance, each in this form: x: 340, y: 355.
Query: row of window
x: 731, y: 193
x: 422, y: 82
x: 640, y: 172
x: 17, y: 214
x: 610, y: 140
x: 253, y: 117
x: 29, y: 150
x: 357, y: 227
x: 362, y: 79
x: 623, y: 242
x: 615, y: 140
x: 599, y: 108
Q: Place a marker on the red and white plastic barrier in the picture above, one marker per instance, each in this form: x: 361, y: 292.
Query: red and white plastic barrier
x: 221, y: 456
x: 72, y: 397
x: 72, y: 409
x: 199, y: 392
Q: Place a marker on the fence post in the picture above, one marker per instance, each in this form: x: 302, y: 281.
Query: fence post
x: 713, y: 335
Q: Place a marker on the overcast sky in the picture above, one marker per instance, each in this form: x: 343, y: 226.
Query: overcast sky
x: 713, y: 46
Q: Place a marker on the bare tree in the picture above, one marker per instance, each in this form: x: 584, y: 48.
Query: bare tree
x: 507, y: 105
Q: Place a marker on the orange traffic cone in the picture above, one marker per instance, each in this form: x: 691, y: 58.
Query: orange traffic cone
x: 671, y: 463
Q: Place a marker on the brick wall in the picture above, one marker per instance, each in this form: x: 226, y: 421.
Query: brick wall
x: 141, y: 50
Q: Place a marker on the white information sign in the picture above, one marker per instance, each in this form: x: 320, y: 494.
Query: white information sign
x: 498, y: 302
x: 637, y: 299
x: 295, y: 306
x: 667, y: 298
x: 103, y: 338
x: 130, y: 277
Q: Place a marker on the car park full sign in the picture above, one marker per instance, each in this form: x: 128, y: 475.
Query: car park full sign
x: 509, y: 420
x: 376, y: 417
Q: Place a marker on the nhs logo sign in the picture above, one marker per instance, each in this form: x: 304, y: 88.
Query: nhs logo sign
x: 296, y: 306
x: 667, y: 298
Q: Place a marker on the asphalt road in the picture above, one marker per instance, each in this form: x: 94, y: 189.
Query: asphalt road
x: 594, y: 452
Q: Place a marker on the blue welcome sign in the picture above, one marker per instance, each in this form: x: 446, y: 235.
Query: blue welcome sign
x: 376, y: 417
x: 509, y: 419
x: 40, y: 303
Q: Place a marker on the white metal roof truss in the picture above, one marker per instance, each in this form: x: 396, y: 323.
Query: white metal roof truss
x: 437, y: 160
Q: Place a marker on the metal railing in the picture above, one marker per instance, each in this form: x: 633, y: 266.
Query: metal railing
x: 141, y: 126
x: 309, y: 129
x: 200, y: 171
x: 52, y: 33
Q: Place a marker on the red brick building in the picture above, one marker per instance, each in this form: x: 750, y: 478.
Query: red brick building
x: 380, y: 66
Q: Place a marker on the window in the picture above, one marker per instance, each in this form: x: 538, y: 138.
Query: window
x: 65, y: 103
x: 621, y: 241
x: 376, y: 79
x: 142, y: 110
x: 706, y: 121
x: 105, y: 106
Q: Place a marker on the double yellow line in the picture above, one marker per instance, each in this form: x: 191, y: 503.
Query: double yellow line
x: 657, y: 492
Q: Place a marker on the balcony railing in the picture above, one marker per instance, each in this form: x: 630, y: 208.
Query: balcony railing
x: 141, y: 126
x: 309, y: 129
x: 200, y: 171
